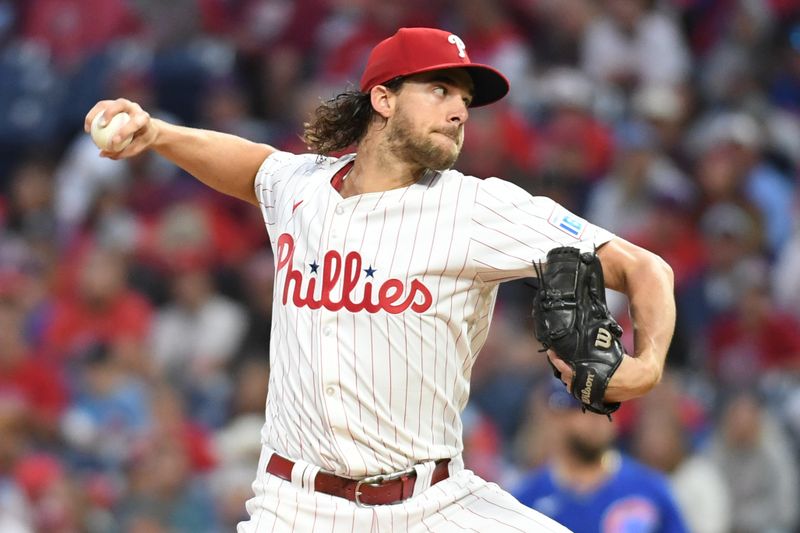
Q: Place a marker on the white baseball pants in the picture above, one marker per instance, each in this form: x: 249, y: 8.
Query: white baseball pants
x: 463, y: 502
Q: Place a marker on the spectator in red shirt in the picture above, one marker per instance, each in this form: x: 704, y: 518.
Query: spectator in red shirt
x: 100, y: 309
x: 27, y: 382
x: 501, y: 143
x: 494, y: 39
x: 575, y: 148
x: 345, y: 52
x: 172, y: 423
x: 53, y: 496
x: 669, y: 231
x: 755, y: 338
x: 71, y: 29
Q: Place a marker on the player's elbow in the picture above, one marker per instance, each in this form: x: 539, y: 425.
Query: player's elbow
x: 646, y: 266
x: 627, y: 265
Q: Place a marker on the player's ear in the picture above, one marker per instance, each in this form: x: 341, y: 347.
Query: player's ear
x: 383, y: 100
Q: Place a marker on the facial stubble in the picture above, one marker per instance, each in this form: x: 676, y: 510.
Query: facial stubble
x: 421, y: 150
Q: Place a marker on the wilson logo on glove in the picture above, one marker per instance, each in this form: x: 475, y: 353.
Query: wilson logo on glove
x: 603, y: 338
x: 586, y: 392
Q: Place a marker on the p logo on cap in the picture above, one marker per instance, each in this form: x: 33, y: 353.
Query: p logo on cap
x: 456, y: 40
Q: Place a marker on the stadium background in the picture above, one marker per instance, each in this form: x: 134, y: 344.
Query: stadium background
x: 135, y: 304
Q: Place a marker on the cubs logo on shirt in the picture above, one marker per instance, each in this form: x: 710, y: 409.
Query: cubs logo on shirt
x: 631, y: 515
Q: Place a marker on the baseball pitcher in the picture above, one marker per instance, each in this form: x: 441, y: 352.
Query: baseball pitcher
x: 387, y: 266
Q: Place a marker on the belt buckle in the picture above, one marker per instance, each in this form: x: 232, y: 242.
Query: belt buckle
x: 377, y: 481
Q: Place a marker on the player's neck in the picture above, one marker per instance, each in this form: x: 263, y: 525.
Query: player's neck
x: 377, y: 170
x: 585, y: 477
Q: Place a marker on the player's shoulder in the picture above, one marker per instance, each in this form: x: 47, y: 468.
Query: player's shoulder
x: 452, y: 174
x: 281, y: 162
x: 497, y: 187
x: 456, y: 175
x: 283, y: 172
x: 499, y: 193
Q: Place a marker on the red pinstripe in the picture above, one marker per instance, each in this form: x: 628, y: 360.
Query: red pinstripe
x: 329, y: 426
x: 343, y: 457
x: 421, y: 348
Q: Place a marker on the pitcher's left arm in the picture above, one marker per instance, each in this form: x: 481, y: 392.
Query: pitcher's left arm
x: 648, y: 282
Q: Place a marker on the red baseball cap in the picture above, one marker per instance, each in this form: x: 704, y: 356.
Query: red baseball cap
x: 416, y: 50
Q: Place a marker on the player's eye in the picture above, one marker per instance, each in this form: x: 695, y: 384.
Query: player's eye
x: 440, y: 90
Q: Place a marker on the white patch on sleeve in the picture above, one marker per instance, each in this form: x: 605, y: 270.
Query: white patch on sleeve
x: 570, y: 224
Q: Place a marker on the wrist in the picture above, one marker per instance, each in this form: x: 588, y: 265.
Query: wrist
x: 635, y: 377
x: 649, y: 373
x: 157, y: 127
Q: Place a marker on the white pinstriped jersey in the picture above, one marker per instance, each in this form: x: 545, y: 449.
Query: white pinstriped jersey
x: 382, y: 302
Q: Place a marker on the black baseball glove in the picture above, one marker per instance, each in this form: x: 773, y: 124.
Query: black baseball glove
x: 571, y: 317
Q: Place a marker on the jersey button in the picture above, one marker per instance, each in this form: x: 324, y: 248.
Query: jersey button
x: 327, y: 331
x: 330, y: 391
x: 339, y: 210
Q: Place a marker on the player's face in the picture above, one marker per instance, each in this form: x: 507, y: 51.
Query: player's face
x: 427, y: 127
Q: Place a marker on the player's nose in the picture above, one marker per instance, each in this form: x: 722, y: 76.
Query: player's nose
x: 459, y: 113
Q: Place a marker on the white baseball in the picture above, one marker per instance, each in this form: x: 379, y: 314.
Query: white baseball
x: 102, y: 136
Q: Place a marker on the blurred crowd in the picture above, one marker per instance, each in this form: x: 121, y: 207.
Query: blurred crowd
x: 135, y: 304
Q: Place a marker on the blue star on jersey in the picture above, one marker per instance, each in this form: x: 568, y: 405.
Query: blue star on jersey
x: 314, y: 266
x: 370, y: 271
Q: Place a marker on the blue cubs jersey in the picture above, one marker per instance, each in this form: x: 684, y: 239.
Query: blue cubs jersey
x: 635, y: 499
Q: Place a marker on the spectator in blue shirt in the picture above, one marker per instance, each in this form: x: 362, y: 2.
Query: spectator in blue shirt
x: 589, y: 486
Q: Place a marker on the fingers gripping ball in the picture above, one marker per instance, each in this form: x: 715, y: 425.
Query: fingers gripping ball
x: 572, y: 318
x: 103, y: 136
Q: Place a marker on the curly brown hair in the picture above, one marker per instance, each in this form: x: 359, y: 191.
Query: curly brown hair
x: 342, y: 121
